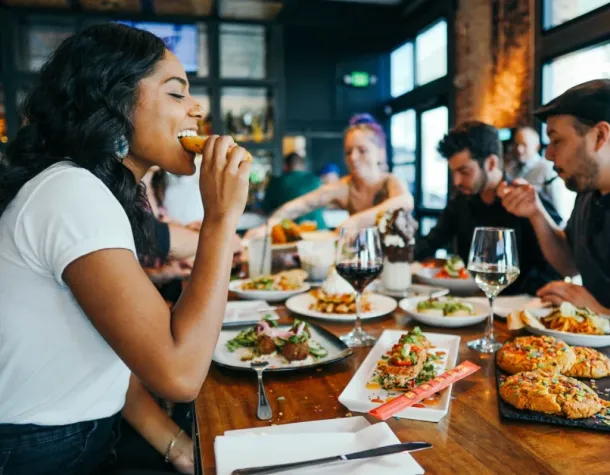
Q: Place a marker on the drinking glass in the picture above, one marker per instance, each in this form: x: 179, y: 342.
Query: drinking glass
x: 359, y: 260
x: 494, y: 264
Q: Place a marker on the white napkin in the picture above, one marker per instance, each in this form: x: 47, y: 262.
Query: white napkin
x: 258, y: 450
x: 505, y: 305
x: 247, y: 311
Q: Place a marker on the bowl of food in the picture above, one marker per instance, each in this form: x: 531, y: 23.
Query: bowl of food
x: 453, y: 275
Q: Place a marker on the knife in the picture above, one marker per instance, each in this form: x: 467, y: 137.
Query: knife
x: 387, y: 450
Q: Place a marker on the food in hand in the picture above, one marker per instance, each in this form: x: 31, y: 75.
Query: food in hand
x: 266, y: 339
x: 283, y: 282
x: 445, y: 307
x: 528, y: 353
x: 454, y: 268
x: 551, y: 393
x: 194, y: 143
x: 590, y: 363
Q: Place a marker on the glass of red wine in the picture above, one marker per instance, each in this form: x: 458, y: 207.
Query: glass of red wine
x: 359, y: 261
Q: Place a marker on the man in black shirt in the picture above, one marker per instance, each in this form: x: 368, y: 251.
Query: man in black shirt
x: 579, y: 131
x: 474, y: 152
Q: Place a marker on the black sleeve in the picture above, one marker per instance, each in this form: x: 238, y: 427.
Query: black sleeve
x: 438, y: 236
x: 162, y: 239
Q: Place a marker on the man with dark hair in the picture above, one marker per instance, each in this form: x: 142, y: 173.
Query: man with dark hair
x: 474, y: 152
x: 295, y: 182
x: 579, y: 131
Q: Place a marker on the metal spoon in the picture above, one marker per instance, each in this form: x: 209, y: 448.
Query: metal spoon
x: 263, y: 412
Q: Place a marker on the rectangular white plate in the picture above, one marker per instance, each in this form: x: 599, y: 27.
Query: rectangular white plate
x: 247, y: 312
x: 270, y: 449
x: 357, y: 397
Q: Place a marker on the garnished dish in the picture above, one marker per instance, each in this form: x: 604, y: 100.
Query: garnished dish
x: 266, y: 340
x: 529, y: 353
x: 411, y: 361
x: 337, y: 296
x: 285, y: 232
x: 551, y: 393
x: 454, y: 268
x: 566, y: 318
x: 192, y: 142
x: 284, y: 281
x: 590, y: 363
x: 445, y: 307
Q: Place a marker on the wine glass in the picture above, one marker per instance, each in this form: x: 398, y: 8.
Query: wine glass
x: 494, y: 264
x: 359, y: 260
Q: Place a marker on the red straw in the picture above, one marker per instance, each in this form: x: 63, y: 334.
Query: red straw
x: 389, y: 409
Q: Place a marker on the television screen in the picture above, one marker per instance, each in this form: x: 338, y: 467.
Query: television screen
x: 180, y: 39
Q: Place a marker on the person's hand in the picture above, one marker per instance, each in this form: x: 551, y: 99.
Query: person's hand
x: 224, y: 179
x: 520, y: 198
x: 559, y: 291
x: 254, y: 233
x: 182, y: 455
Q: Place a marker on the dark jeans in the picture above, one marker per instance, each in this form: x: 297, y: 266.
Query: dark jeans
x: 76, y: 449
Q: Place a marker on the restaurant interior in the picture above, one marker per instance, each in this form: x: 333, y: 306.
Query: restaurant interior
x: 352, y: 327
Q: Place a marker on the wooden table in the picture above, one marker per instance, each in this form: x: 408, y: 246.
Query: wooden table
x: 470, y: 439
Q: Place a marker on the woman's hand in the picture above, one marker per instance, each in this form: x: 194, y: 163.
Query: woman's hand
x: 224, y: 179
x: 182, y: 455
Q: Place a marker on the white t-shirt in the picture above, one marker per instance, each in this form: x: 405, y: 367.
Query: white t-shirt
x: 55, y: 368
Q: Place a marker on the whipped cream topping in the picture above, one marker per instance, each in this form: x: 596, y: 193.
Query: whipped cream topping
x: 335, y: 284
x: 393, y: 240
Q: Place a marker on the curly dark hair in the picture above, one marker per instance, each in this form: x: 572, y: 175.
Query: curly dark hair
x: 82, y: 103
x: 479, y: 138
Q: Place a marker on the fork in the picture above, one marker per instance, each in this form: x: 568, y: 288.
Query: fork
x: 263, y: 412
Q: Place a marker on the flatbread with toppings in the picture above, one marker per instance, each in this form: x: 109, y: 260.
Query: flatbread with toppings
x: 528, y: 353
x: 551, y: 393
x: 590, y: 363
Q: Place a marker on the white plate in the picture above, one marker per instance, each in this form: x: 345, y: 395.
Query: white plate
x: 268, y: 295
x: 247, y: 312
x: 410, y: 306
x: 413, y: 290
x: 380, y: 306
x: 324, y: 426
x: 275, y: 448
x: 511, y: 303
x: 357, y: 397
x: 335, y: 347
x: 574, y: 339
x: 457, y: 286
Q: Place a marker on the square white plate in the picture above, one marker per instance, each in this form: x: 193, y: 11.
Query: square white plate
x: 346, y: 424
x: 247, y: 312
x: 245, y: 452
x: 357, y: 397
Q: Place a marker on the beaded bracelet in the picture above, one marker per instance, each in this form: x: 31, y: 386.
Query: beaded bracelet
x: 171, y: 444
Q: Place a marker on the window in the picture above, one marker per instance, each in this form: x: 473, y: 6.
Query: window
x: 243, y: 51
x: 38, y: 42
x: 574, y: 68
x: 401, y: 67
x: 431, y: 53
x: 404, y: 141
x: 434, y: 125
x: 556, y: 12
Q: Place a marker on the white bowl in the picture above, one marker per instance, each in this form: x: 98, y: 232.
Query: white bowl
x: 481, y: 312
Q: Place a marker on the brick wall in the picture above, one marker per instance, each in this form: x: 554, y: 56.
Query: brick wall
x: 495, y: 60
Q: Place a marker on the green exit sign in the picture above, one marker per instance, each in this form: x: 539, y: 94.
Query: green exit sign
x: 359, y: 79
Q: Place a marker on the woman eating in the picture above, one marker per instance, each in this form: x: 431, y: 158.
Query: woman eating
x: 84, y: 333
x: 364, y: 193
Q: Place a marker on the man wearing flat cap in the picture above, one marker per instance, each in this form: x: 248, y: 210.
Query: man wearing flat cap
x: 578, y: 126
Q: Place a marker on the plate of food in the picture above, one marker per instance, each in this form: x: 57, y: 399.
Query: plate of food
x: 286, y: 347
x: 413, y: 290
x: 453, y: 275
x: 540, y: 378
x: 448, y: 312
x: 336, y: 300
x: 400, y: 361
x: 575, y: 326
x: 247, y: 312
x: 271, y: 288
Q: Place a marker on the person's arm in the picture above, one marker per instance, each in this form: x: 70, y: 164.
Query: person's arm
x: 143, y: 413
x: 312, y: 201
x: 398, y: 197
x: 169, y: 352
x: 521, y: 199
x: 439, y: 236
x: 183, y: 242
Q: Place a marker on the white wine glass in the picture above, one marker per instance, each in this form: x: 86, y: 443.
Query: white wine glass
x: 359, y: 260
x: 494, y: 264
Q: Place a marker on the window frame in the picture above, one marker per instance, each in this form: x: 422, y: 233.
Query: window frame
x: 420, y: 33
x: 545, y: 14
